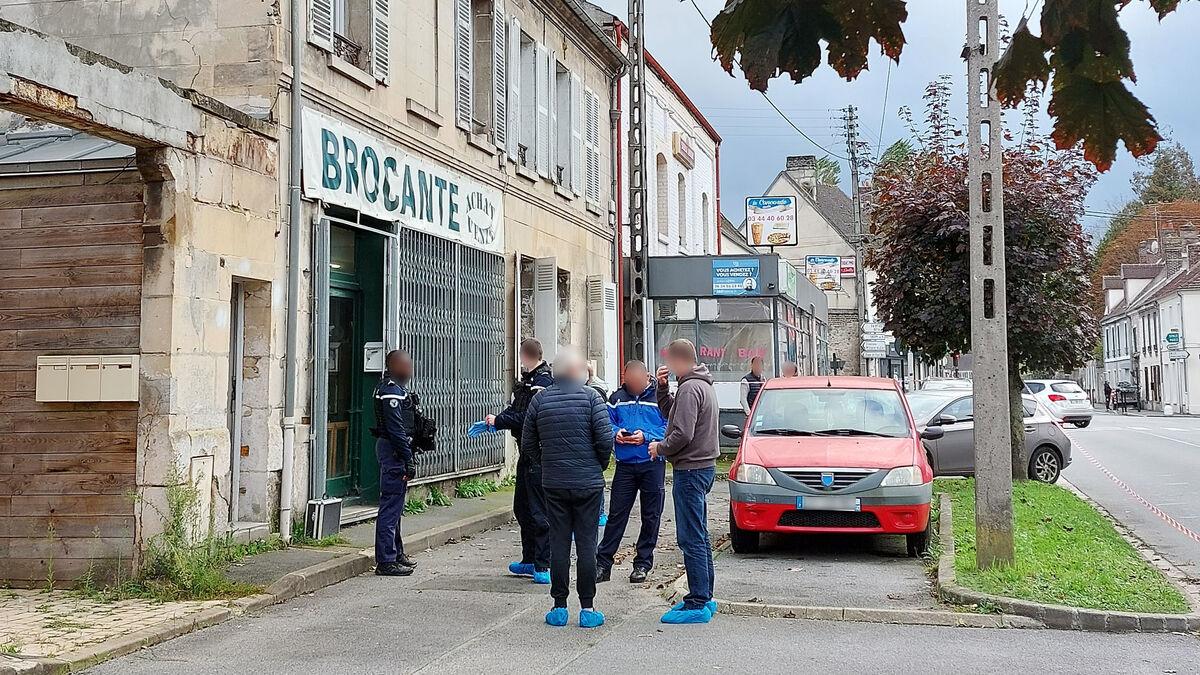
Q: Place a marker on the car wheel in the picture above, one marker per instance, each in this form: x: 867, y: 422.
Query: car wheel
x: 1081, y: 423
x: 918, y: 543
x: 743, y: 541
x: 1045, y: 465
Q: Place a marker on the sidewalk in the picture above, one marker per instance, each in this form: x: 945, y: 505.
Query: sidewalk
x: 61, y: 631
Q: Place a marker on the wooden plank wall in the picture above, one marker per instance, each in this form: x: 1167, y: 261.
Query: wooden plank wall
x: 70, y: 282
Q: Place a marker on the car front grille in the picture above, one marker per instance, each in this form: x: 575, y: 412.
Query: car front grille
x: 850, y: 519
x: 842, y: 478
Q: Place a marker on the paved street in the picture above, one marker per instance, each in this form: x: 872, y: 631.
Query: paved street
x: 1157, y: 459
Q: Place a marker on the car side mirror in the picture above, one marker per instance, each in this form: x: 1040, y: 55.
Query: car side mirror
x: 946, y: 420
x: 932, y: 433
x: 731, y: 431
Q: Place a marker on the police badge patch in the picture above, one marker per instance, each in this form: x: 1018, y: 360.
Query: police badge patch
x: 394, y: 403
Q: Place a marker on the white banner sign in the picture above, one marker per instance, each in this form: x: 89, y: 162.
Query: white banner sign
x: 771, y: 221
x: 350, y: 168
x: 824, y: 271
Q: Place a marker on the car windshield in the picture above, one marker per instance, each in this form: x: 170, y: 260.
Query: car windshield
x: 1066, y: 388
x: 924, y: 404
x: 829, y: 412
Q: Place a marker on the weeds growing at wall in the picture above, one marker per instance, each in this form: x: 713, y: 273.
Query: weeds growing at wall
x: 475, y: 487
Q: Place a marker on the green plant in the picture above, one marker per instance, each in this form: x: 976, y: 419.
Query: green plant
x: 50, y: 556
x: 301, y: 538
x: 437, y: 498
x: 63, y: 623
x: 413, y: 506
x: 474, y: 487
x: 7, y: 648
x: 509, y: 481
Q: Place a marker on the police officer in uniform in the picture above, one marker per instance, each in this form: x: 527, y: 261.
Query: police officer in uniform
x: 394, y: 413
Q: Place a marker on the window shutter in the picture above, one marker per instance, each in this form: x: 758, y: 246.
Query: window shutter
x: 499, y: 77
x: 591, y: 126
x: 552, y: 106
x: 514, y: 90
x: 320, y: 23
x: 576, y: 135
x: 545, y: 305
x: 542, y: 88
x: 462, y: 64
x: 380, y: 41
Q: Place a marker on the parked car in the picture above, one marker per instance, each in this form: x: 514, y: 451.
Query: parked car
x: 1047, y: 448
x: 830, y: 454
x: 938, y: 383
x: 1064, y: 399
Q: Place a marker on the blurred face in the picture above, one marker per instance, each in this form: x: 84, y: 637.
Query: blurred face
x: 756, y: 366
x: 635, y: 378
x: 401, y: 367
x: 679, y: 366
x: 528, y: 363
x: 789, y: 370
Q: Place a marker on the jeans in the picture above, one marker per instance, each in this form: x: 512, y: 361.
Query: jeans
x: 529, y: 507
x: 690, y: 492
x: 573, y: 513
x: 392, y: 488
x: 644, y: 481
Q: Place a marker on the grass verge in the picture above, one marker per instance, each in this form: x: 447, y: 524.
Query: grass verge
x: 1066, y: 554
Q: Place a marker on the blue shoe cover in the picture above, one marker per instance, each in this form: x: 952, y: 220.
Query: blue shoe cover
x: 711, y: 606
x: 603, y: 519
x: 521, y: 569
x: 541, y: 577
x: 590, y: 619
x: 701, y: 615
x: 558, y: 616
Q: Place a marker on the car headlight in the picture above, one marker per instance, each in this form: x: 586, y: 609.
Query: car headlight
x: 903, y: 476
x: 753, y: 473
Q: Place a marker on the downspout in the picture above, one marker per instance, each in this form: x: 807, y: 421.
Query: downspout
x: 718, y: 164
x: 617, y: 188
x: 293, y: 283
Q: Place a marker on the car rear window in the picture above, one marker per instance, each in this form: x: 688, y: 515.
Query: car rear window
x: 1066, y: 388
x: 829, y: 412
x: 1035, y: 387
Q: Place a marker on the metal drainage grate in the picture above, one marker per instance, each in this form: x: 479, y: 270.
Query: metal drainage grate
x: 860, y: 519
x: 842, y: 478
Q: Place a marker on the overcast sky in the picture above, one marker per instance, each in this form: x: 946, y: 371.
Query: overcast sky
x: 756, y: 140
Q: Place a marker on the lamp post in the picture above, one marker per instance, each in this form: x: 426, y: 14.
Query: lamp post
x: 836, y: 364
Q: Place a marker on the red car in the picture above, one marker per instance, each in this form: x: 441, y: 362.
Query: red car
x: 830, y: 454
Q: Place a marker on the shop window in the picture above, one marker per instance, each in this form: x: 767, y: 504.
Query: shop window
x: 666, y: 333
x: 660, y: 197
x: 728, y: 347
x: 341, y: 250
x: 735, y: 309
x: 677, y: 309
x: 681, y: 195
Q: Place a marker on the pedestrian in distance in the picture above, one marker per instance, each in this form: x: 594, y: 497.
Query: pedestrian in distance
x: 690, y: 444
x: 752, y: 383
x: 1108, y: 396
x: 636, y: 422
x: 393, y: 450
x: 789, y: 369
x: 569, y: 435
x: 529, y: 502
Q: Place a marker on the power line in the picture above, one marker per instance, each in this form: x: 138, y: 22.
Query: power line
x: 887, y: 86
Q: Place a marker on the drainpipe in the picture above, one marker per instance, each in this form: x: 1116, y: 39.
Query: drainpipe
x: 717, y: 161
x: 618, y: 186
x: 293, y: 283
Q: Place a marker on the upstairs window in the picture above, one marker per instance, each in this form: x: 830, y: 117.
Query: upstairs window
x: 357, y: 32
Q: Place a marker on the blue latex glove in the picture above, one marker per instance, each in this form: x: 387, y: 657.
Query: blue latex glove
x: 477, y: 429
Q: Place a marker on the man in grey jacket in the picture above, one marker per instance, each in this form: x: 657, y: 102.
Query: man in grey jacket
x: 691, y: 445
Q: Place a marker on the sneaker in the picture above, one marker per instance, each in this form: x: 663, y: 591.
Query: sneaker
x: 590, y: 619
x: 638, y: 576
x: 542, y: 578
x: 681, y: 616
x: 522, y: 569
x: 711, y: 606
x: 603, y: 574
x: 603, y: 522
x: 558, y: 616
x: 403, y: 559
x: 392, y: 569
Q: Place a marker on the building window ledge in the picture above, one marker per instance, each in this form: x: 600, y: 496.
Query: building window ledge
x: 594, y: 208
x: 415, y: 108
x: 527, y: 173
x: 564, y: 192
x: 353, y: 72
x: 482, y: 142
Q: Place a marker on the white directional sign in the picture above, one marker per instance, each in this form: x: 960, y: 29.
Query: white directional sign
x: 872, y: 326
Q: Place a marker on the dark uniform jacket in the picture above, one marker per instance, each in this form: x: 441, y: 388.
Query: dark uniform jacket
x: 394, y: 409
x: 513, y: 417
x: 568, y: 433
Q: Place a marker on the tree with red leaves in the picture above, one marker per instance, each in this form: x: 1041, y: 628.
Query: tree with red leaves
x: 919, y: 251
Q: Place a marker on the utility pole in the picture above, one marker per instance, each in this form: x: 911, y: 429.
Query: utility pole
x: 635, y: 309
x: 850, y: 118
x: 989, y: 307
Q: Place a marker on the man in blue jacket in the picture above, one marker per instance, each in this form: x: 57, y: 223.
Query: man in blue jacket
x: 636, y: 422
x: 568, y: 434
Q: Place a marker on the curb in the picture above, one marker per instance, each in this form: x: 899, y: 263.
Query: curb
x: 1060, y: 617
x: 287, y: 587
x: 674, y: 592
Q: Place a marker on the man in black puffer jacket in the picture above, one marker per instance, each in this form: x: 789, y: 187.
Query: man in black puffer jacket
x: 569, y: 435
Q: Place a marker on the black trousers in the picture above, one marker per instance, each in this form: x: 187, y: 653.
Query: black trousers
x: 529, y: 507
x: 644, y: 481
x: 573, y: 513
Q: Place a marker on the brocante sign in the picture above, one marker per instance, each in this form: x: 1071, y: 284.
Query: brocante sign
x: 344, y: 166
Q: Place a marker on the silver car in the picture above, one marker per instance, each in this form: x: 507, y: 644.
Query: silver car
x: 1048, y: 450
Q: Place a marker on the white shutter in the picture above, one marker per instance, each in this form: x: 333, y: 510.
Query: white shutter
x: 462, y: 64
x: 591, y: 124
x: 576, y: 135
x: 542, y: 95
x: 552, y: 106
x: 380, y: 41
x: 320, y: 23
x: 514, y: 90
x: 499, y: 77
x: 545, y: 305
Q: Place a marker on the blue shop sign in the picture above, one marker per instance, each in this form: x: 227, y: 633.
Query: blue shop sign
x: 735, y: 277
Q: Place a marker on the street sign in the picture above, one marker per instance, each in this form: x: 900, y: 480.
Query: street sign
x: 1174, y: 340
x: 875, y: 353
x: 872, y: 327
x: 1178, y: 355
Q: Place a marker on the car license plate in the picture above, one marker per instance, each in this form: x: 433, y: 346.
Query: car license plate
x: 828, y: 503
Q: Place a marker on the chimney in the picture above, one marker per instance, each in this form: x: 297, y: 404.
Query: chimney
x: 1192, y: 257
x: 803, y: 169
x: 1147, y: 253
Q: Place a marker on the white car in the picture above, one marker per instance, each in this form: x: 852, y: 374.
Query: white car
x: 1064, y: 399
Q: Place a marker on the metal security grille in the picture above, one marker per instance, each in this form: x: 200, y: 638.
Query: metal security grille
x: 451, y: 301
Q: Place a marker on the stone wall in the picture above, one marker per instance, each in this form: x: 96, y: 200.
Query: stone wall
x: 845, y: 339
